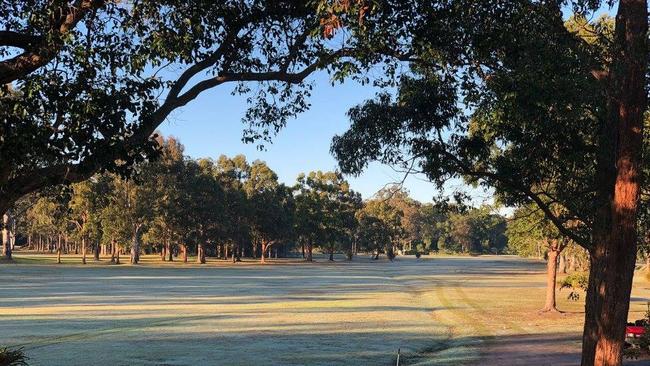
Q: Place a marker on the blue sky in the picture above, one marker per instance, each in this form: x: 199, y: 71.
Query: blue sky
x: 211, y: 125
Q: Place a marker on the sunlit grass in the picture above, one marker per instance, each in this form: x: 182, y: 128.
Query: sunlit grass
x: 437, y: 310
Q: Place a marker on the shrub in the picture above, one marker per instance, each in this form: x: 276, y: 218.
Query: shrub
x: 15, y: 357
x: 576, y: 282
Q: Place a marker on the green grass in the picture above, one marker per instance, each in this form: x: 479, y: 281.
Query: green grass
x: 437, y: 310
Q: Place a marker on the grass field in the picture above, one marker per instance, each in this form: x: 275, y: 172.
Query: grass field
x: 437, y: 310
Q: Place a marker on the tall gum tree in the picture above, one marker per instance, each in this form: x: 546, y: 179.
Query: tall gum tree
x: 511, y: 96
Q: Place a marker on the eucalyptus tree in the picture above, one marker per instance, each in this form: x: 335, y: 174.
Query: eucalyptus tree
x: 203, y: 204
x: 391, y: 217
x: 49, y: 216
x: 272, y: 208
x: 373, y: 234
x: 88, y: 199
x: 164, y: 176
x: 325, y: 211
x: 87, y: 82
x: 126, y: 214
x: 529, y: 228
x: 232, y: 174
x: 506, y: 95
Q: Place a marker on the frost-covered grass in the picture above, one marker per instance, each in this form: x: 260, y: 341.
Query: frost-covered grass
x: 438, y: 310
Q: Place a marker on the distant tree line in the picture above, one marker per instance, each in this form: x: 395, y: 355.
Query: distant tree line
x: 231, y: 208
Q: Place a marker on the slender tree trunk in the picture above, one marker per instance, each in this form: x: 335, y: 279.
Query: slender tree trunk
x: 303, y: 250
x: 58, y: 250
x: 163, y: 252
x: 117, y: 253
x: 331, y: 253
x: 83, y: 249
x: 551, y: 280
x: 263, y: 252
x: 184, y: 252
x: 170, y: 252
x: 614, y: 253
x: 310, y: 250
x: 6, y: 244
x: 233, y: 253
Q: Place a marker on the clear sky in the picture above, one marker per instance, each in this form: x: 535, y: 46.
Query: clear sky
x: 211, y: 125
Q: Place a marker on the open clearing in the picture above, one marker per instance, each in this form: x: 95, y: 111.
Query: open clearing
x: 438, y: 310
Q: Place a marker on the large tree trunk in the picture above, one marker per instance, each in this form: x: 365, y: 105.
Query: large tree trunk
x: 200, y: 255
x: 97, y: 251
x: 551, y: 279
x: 6, y: 242
x: 614, y: 252
x: 135, y: 245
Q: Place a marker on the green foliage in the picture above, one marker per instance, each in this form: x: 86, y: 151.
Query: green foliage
x: 82, y: 94
x: 13, y: 357
x: 576, y: 282
x: 481, y: 106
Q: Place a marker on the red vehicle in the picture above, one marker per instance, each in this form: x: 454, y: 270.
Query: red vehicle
x: 634, y: 331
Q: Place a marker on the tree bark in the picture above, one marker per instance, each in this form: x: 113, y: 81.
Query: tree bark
x: 97, y: 249
x: 551, y: 279
x: 6, y: 244
x: 58, y: 250
x: 200, y: 255
x: 83, y: 249
x: 613, y: 254
x: 263, y: 252
x: 184, y: 252
x: 310, y: 251
x: 163, y: 251
x: 135, y: 245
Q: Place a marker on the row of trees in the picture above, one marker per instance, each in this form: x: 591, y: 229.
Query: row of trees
x: 232, y: 208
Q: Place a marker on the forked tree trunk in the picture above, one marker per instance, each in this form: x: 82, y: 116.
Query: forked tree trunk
x: 613, y: 253
x: 551, y: 279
